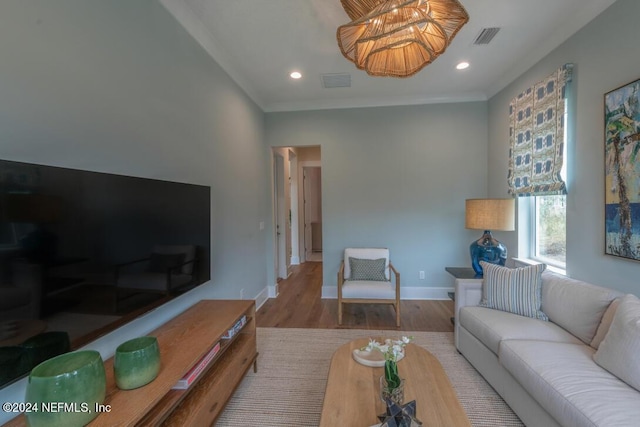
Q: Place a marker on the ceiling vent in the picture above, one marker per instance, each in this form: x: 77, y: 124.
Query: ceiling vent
x: 486, y: 35
x: 336, y: 80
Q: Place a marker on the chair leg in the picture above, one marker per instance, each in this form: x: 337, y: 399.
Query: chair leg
x: 339, y: 312
x: 397, y: 315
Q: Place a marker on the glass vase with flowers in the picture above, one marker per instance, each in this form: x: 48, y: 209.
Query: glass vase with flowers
x: 391, y: 385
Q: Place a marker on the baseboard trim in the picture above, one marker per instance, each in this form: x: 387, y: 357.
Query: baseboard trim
x: 272, y: 291
x: 295, y: 260
x: 262, y: 297
x: 406, y: 293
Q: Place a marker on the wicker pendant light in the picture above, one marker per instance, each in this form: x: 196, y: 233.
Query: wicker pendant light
x: 398, y: 37
x: 358, y: 8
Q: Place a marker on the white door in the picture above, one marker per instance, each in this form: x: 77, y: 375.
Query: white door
x: 293, y: 213
x: 280, y: 253
x: 312, y: 191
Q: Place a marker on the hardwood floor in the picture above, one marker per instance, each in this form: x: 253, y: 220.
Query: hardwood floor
x: 299, y: 305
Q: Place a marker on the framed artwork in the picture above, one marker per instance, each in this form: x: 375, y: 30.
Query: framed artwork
x: 622, y: 171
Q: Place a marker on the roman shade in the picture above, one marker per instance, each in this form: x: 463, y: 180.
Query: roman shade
x: 536, y: 132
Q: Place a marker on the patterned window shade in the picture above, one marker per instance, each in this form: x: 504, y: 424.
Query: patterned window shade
x: 536, y: 131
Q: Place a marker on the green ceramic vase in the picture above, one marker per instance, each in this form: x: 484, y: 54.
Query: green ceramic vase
x: 136, y: 362
x: 66, y: 390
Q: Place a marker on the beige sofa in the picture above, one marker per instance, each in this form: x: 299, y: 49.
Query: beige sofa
x: 545, y: 370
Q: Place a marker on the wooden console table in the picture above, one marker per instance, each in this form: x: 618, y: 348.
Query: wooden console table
x: 183, y: 341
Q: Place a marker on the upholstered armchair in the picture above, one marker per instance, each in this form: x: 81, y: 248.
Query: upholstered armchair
x: 167, y: 269
x: 365, y: 277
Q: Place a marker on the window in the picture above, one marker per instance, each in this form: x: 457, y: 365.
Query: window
x: 549, y: 230
x: 549, y: 219
x: 538, y: 119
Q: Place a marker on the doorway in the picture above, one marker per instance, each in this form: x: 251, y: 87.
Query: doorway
x: 312, y: 199
x: 297, y: 211
x: 280, y: 209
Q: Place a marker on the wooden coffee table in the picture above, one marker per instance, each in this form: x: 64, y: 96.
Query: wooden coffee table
x: 352, y: 394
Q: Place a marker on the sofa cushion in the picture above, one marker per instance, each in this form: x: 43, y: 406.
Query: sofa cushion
x: 575, y: 305
x: 620, y: 349
x: 492, y: 326
x: 564, y: 379
x: 605, y: 323
x: 367, y: 269
x: 516, y: 290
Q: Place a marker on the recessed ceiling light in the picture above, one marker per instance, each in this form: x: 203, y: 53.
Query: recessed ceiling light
x: 462, y: 66
x: 295, y: 75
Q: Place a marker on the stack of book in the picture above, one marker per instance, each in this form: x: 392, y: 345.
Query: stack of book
x: 236, y: 328
x: 197, y: 369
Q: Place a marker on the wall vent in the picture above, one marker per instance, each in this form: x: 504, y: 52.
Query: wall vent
x: 336, y: 80
x: 486, y: 35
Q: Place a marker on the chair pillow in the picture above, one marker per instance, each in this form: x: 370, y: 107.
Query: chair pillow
x: 618, y: 352
x: 515, y: 290
x: 159, y: 263
x: 367, y: 269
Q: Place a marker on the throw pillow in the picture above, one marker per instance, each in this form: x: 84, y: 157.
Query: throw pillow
x: 618, y: 352
x: 605, y: 323
x: 367, y: 269
x: 159, y: 263
x: 516, y: 290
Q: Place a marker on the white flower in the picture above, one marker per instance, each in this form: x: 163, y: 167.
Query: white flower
x: 397, y: 349
x: 372, y: 344
x: 391, y: 349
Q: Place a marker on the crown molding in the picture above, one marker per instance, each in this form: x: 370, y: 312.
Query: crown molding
x: 190, y: 21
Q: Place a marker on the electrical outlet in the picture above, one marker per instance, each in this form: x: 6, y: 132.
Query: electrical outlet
x: 261, y: 225
x: 422, y: 275
x: 242, y: 293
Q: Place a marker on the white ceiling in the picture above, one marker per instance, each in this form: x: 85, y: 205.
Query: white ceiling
x: 259, y: 42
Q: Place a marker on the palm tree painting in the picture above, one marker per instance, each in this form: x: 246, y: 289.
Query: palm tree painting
x: 622, y: 171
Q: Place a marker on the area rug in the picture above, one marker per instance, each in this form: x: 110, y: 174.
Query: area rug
x: 293, y: 365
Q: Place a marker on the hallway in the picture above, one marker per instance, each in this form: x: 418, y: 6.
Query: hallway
x: 299, y: 305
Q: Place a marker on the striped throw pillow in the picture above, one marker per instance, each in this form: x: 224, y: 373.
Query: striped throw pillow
x: 516, y: 290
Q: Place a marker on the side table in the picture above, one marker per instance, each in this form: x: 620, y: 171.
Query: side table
x: 462, y: 274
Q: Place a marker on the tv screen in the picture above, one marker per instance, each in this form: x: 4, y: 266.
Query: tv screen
x: 83, y: 252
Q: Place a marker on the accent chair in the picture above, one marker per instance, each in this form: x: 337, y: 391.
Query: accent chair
x: 365, y: 277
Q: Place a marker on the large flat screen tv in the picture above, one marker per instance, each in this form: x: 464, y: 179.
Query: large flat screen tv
x: 83, y: 252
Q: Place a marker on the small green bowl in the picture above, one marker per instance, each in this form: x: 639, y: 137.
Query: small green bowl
x: 66, y: 389
x: 136, y: 362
